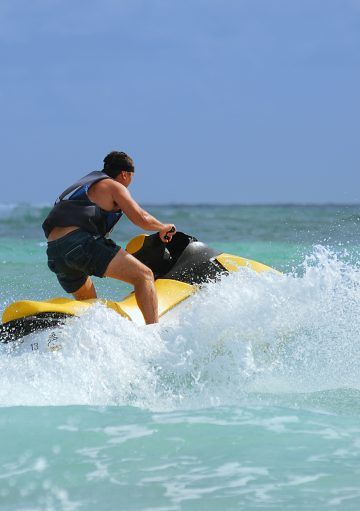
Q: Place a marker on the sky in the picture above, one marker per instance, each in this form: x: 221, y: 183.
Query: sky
x: 217, y: 101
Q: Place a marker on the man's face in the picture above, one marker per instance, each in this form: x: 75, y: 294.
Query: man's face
x: 125, y: 178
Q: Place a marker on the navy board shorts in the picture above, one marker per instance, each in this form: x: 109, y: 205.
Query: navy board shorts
x: 77, y: 255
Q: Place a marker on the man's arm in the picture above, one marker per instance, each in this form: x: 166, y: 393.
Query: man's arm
x: 138, y: 215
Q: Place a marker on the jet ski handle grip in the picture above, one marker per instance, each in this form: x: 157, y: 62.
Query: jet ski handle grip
x: 166, y: 237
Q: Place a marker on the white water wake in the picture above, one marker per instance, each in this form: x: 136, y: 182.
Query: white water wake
x: 249, y: 333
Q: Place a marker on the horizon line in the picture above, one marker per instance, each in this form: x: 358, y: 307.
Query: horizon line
x: 209, y: 204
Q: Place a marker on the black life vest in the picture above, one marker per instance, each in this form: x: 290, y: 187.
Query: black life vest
x: 73, y: 207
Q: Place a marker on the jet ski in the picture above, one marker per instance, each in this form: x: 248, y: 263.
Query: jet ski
x: 180, y: 268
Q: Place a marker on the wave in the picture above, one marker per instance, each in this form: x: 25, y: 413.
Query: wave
x: 22, y: 212
x: 22, y: 220
x: 247, y: 336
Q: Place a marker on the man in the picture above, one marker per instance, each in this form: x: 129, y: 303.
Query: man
x: 78, y: 223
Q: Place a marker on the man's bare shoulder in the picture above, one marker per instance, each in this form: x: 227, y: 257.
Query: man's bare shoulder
x: 109, y: 194
x: 109, y: 185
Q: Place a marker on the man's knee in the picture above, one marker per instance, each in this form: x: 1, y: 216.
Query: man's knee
x: 144, y: 274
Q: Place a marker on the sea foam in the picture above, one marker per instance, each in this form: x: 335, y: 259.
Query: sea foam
x: 248, y: 335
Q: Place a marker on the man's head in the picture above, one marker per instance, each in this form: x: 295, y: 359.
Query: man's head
x: 119, y: 166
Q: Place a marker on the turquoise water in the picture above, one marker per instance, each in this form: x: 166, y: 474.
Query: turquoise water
x: 250, y: 401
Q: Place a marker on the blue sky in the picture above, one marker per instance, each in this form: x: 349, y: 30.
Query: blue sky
x: 247, y: 101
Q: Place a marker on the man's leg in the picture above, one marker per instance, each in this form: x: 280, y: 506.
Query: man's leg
x: 86, y: 291
x: 127, y: 268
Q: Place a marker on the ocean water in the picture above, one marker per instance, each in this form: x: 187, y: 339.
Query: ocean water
x: 250, y: 401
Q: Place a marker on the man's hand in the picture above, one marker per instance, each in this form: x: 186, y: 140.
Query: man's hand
x: 167, y: 232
